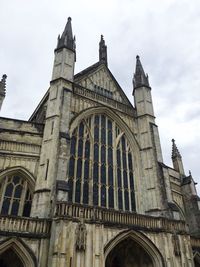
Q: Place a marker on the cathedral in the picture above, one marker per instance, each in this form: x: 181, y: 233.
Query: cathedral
x: 83, y: 182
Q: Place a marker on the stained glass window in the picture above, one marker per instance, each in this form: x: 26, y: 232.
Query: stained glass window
x: 95, y: 144
x: 111, y: 197
x: 78, y: 191
x: 16, y: 197
x: 85, y: 192
x: 95, y: 194
x: 103, y: 196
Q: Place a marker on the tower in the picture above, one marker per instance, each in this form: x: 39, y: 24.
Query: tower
x: 65, y: 54
x: 53, y: 165
x: 148, y: 138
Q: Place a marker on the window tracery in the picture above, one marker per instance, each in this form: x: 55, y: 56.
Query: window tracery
x: 16, y: 197
x: 101, y: 163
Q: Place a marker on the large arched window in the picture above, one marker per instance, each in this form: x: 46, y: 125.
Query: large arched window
x: 101, y: 165
x: 16, y: 196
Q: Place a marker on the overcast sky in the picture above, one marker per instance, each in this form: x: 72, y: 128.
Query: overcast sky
x: 165, y: 33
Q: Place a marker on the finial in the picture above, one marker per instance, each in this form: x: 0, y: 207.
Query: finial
x: 4, y: 76
x: 102, y: 51
x: 66, y: 40
x: 175, y: 151
x: 140, y: 78
x: 190, y: 174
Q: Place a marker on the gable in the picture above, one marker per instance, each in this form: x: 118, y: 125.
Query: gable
x: 98, y: 78
x: 40, y: 112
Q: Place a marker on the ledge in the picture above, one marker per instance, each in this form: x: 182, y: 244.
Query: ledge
x: 119, y: 218
x: 27, y: 227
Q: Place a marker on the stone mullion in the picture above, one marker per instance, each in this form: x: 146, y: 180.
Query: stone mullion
x: 106, y: 161
x: 91, y: 162
x: 22, y: 198
x: 3, y: 193
x: 75, y: 165
x: 133, y: 189
x: 122, y: 175
x: 83, y: 163
x: 99, y: 164
x: 11, y: 198
x: 128, y: 178
x: 114, y: 150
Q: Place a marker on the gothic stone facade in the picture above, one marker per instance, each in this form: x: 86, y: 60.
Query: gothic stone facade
x: 83, y: 183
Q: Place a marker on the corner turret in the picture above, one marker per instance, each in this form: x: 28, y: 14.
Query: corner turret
x: 65, y: 55
x: 148, y: 137
x: 53, y: 160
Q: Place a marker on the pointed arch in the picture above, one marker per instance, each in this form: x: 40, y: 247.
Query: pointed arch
x: 106, y: 144
x: 142, y: 240
x: 110, y: 113
x: 16, y: 189
x: 196, y: 258
x: 24, y: 253
x: 115, y: 117
x: 180, y: 210
x: 21, y: 171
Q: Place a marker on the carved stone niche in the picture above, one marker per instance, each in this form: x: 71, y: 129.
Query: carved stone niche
x: 62, y: 190
x: 81, y: 234
x: 176, y: 244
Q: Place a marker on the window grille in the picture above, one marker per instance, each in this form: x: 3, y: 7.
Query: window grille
x: 101, y: 165
x: 16, y: 197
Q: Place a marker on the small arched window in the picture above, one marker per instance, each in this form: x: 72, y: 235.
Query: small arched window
x: 101, y: 165
x: 16, y: 197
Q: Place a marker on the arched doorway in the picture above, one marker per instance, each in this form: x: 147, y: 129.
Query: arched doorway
x: 14, y: 252
x: 197, y: 259
x: 10, y: 259
x: 128, y: 254
x: 132, y: 249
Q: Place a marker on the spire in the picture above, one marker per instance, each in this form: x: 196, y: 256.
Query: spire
x: 102, y: 51
x: 67, y: 40
x: 175, y: 152
x: 3, y: 85
x: 140, y: 78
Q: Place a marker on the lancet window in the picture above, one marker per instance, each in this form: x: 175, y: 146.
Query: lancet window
x: 15, y: 195
x: 101, y: 165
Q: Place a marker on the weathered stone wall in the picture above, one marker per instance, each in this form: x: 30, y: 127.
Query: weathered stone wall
x: 20, y: 144
x: 99, y: 240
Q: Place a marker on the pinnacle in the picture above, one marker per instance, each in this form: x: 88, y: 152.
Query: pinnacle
x: 102, y: 51
x: 175, y: 151
x: 140, y: 78
x: 66, y: 40
x: 3, y: 85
